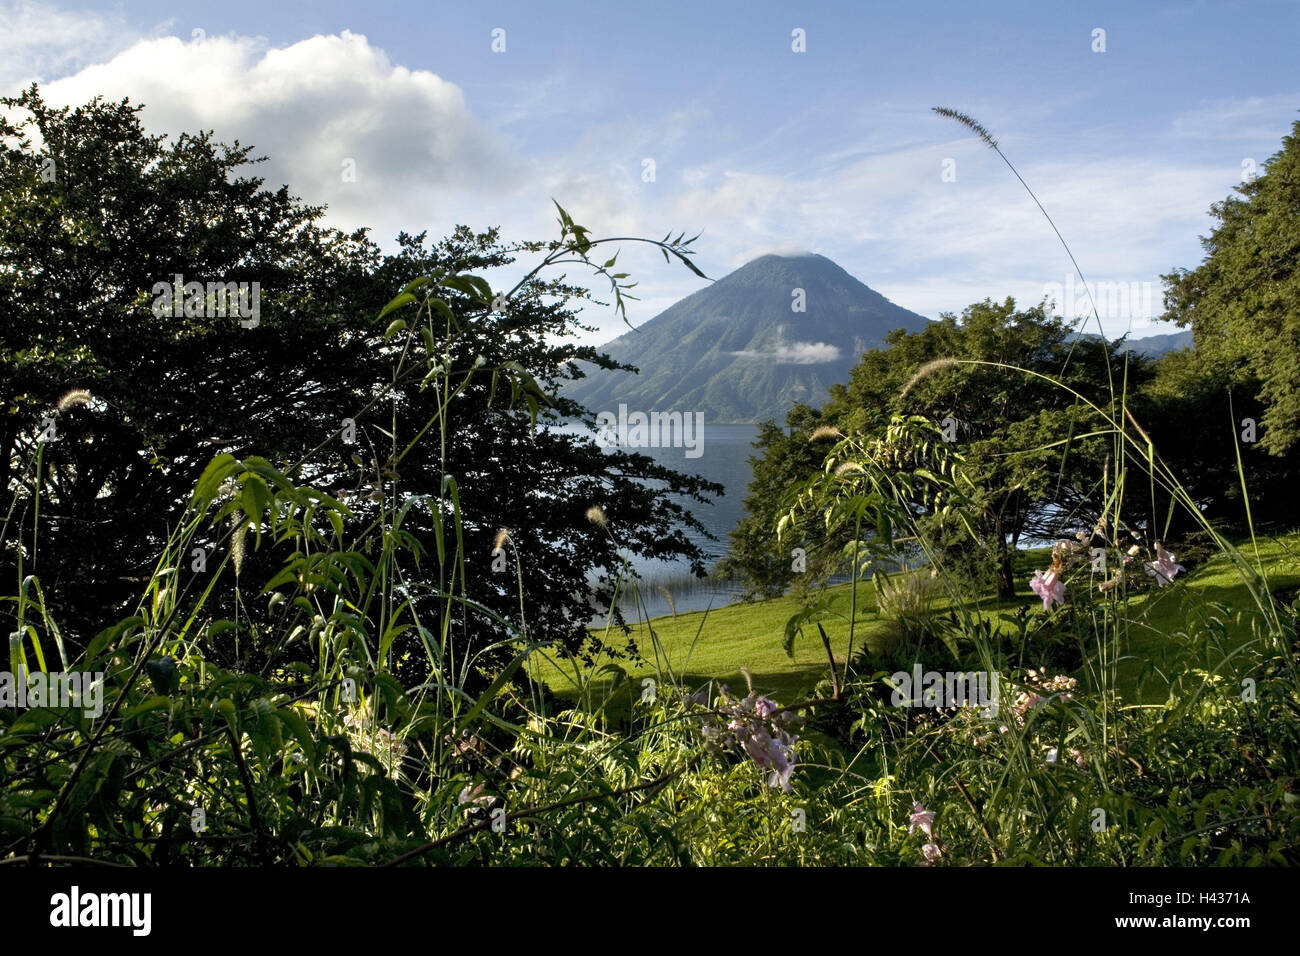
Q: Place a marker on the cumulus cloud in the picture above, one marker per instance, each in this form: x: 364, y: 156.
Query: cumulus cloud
x: 381, y: 144
x: 794, y: 353
x: 377, y: 143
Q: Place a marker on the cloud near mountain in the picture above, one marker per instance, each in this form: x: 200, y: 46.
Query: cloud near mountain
x: 795, y: 353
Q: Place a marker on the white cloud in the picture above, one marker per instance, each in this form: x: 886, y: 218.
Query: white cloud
x: 318, y: 109
x: 423, y: 158
x: 750, y: 253
x: 794, y: 353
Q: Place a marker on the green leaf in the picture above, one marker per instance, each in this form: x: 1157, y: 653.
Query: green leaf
x: 404, y: 299
x: 145, y: 706
x: 209, y: 483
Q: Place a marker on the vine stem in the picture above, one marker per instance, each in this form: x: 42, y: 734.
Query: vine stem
x: 979, y: 818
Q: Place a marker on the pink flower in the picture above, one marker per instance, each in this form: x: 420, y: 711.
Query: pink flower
x: 781, y: 776
x: 764, y: 707
x: 922, y: 819
x: 769, y: 753
x: 931, y: 852
x: 1049, y: 587
x: 1163, y: 568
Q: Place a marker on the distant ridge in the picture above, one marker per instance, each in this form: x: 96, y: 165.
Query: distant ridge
x: 737, y: 351
x: 1157, y: 345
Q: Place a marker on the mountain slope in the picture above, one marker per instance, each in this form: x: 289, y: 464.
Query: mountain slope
x: 1157, y: 345
x: 737, y: 351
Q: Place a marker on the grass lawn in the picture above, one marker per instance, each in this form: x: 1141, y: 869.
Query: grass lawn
x: 1213, y: 590
x: 698, y: 646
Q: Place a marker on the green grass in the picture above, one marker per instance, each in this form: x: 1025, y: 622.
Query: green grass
x: 740, y: 635
x: 1167, y: 619
x: 699, y: 646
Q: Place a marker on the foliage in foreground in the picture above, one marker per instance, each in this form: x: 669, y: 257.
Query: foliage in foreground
x: 321, y: 755
x: 287, y: 769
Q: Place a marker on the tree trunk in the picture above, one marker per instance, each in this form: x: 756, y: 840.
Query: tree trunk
x: 1006, y: 573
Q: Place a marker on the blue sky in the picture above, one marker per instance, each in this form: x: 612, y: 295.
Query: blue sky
x: 832, y: 150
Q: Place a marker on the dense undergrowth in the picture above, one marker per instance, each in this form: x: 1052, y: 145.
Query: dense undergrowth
x: 322, y: 756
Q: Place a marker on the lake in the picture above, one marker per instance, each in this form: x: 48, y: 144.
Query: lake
x: 723, y: 457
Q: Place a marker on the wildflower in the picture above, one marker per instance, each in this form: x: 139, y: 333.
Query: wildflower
x: 596, y: 515
x: 1049, y: 587
x: 922, y: 819
x: 1025, y: 702
x: 1061, y: 684
x: 475, y: 802
x: 1114, y: 579
x: 762, y: 730
x: 1065, y: 550
x: 781, y: 772
x: 1079, y: 757
x: 1163, y: 568
x: 768, y: 752
x: 931, y: 852
x: 700, y: 697
x: 825, y: 431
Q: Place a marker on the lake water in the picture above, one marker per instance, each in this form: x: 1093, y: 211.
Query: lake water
x: 724, y: 458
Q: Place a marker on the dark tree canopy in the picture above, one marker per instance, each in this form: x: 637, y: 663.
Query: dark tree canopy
x: 140, y: 402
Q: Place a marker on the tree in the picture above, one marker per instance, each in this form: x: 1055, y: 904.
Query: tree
x: 1206, y: 422
x: 999, y: 382
x: 1243, y: 300
x: 784, y: 457
x: 134, y: 401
